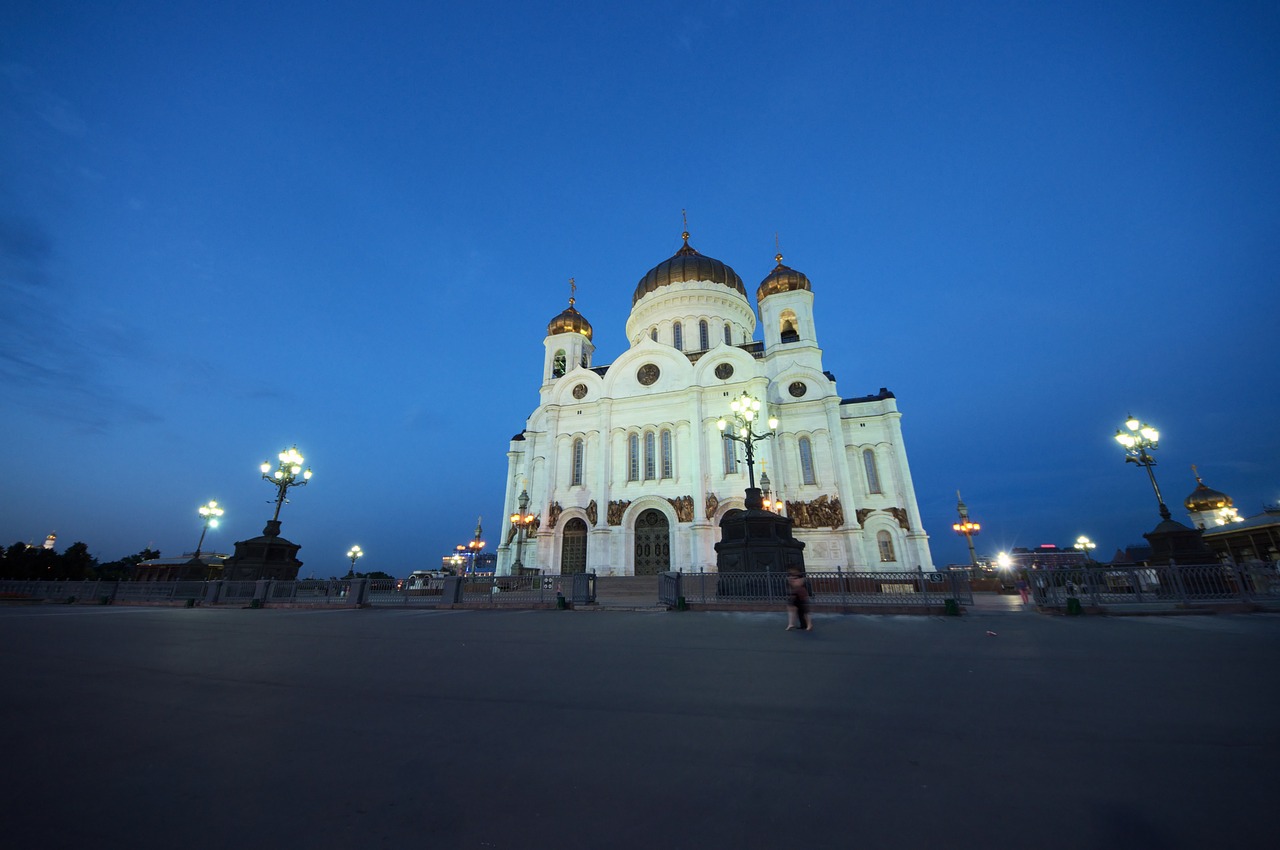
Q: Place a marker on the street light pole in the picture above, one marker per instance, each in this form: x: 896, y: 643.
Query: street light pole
x: 967, y: 529
x: 354, y: 553
x: 746, y: 412
x: 475, y: 546
x: 211, y: 512
x: 521, y: 520
x: 1084, y: 544
x: 1136, y: 437
x: 285, y: 476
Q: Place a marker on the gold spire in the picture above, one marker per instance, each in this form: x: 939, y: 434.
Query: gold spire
x: 684, y: 216
x: 1196, y: 473
x: 573, y: 290
x: 777, y: 247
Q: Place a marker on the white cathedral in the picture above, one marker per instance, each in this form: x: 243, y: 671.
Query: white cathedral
x: 627, y: 473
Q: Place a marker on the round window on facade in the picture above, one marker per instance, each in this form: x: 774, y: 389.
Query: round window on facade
x: 797, y: 388
x: 724, y: 371
x: 647, y: 374
x: 580, y: 391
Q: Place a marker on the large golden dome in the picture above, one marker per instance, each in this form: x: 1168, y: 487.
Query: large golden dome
x: 782, y: 279
x: 687, y: 265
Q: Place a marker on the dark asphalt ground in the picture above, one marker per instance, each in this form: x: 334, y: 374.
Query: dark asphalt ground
x: 167, y: 727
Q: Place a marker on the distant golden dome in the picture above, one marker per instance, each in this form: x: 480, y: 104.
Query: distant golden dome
x: 687, y: 265
x: 569, y: 322
x: 782, y: 279
x: 1206, y: 499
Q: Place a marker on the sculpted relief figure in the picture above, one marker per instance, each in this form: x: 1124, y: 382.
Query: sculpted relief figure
x: 591, y: 513
x: 683, y: 506
x: 713, y: 505
x: 553, y: 514
x: 616, y: 509
x: 823, y: 511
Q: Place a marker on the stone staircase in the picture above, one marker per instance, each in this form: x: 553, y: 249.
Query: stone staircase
x: 628, y: 593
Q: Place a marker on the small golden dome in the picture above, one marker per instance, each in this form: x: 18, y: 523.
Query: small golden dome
x: 687, y: 265
x: 569, y: 322
x: 782, y: 279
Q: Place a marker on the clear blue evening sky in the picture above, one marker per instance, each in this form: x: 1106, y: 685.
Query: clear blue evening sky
x: 229, y: 227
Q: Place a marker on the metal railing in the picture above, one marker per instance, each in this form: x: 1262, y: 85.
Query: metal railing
x: 579, y: 589
x: 836, y: 589
x: 1181, y: 585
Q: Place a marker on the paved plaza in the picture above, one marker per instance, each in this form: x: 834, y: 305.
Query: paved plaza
x: 170, y: 727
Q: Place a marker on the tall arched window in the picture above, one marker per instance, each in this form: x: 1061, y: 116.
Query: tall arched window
x: 557, y: 364
x: 677, y: 336
x: 730, y: 455
x: 633, y: 457
x: 578, y: 450
x: 806, y: 461
x: 586, y: 360
x: 728, y: 334
x: 666, y: 455
x: 653, y: 334
x: 704, y: 335
x: 650, y: 461
x: 873, y: 475
x: 885, y: 541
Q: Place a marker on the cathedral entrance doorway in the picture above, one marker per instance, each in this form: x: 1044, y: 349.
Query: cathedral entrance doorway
x: 573, y: 547
x: 653, y: 543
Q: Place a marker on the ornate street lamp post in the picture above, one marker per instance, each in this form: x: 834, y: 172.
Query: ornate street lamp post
x: 354, y: 553
x: 1085, y: 545
x: 211, y: 512
x: 522, y: 521
x: 475, y: 546
x: 746, y: 413
x: 966, y: 528
x: 286, y: 475
x: 1136, y: 437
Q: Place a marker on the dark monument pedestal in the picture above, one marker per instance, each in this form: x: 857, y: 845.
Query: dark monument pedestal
x: 757, y: 541
x: 267, y: 557
x: 1173, y: 541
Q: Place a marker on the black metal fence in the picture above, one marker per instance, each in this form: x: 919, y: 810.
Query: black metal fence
x: 826, y: 589
x: 1188, y: 585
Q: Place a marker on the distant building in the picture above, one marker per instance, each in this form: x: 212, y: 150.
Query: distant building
x: 187, y: 568
x: 1253, y: 541
x: 1047, y: 556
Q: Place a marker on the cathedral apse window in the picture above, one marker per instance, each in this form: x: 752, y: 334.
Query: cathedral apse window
x: 557, y: 364
x: 578, y: 452
x: 885, y: 543
x: 633, y: 457
x: 728, y: 334
x: 806, y: 461
x: 730, y: 454
x: 724, y: 371
x: 704, y: 335
x: 650, y: 459
x: 677, y: 336
x: 666, y: 454
x: 648, y: 374
x: 580, y: 391
x: 873, y: 474
x: 797, y: 388
x: 653, y: 334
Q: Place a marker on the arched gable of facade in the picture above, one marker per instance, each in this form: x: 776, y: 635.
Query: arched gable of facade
x: 562, y: 393
x: 744, y: 366
x: 621, y: 379
x: 817, y: 385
